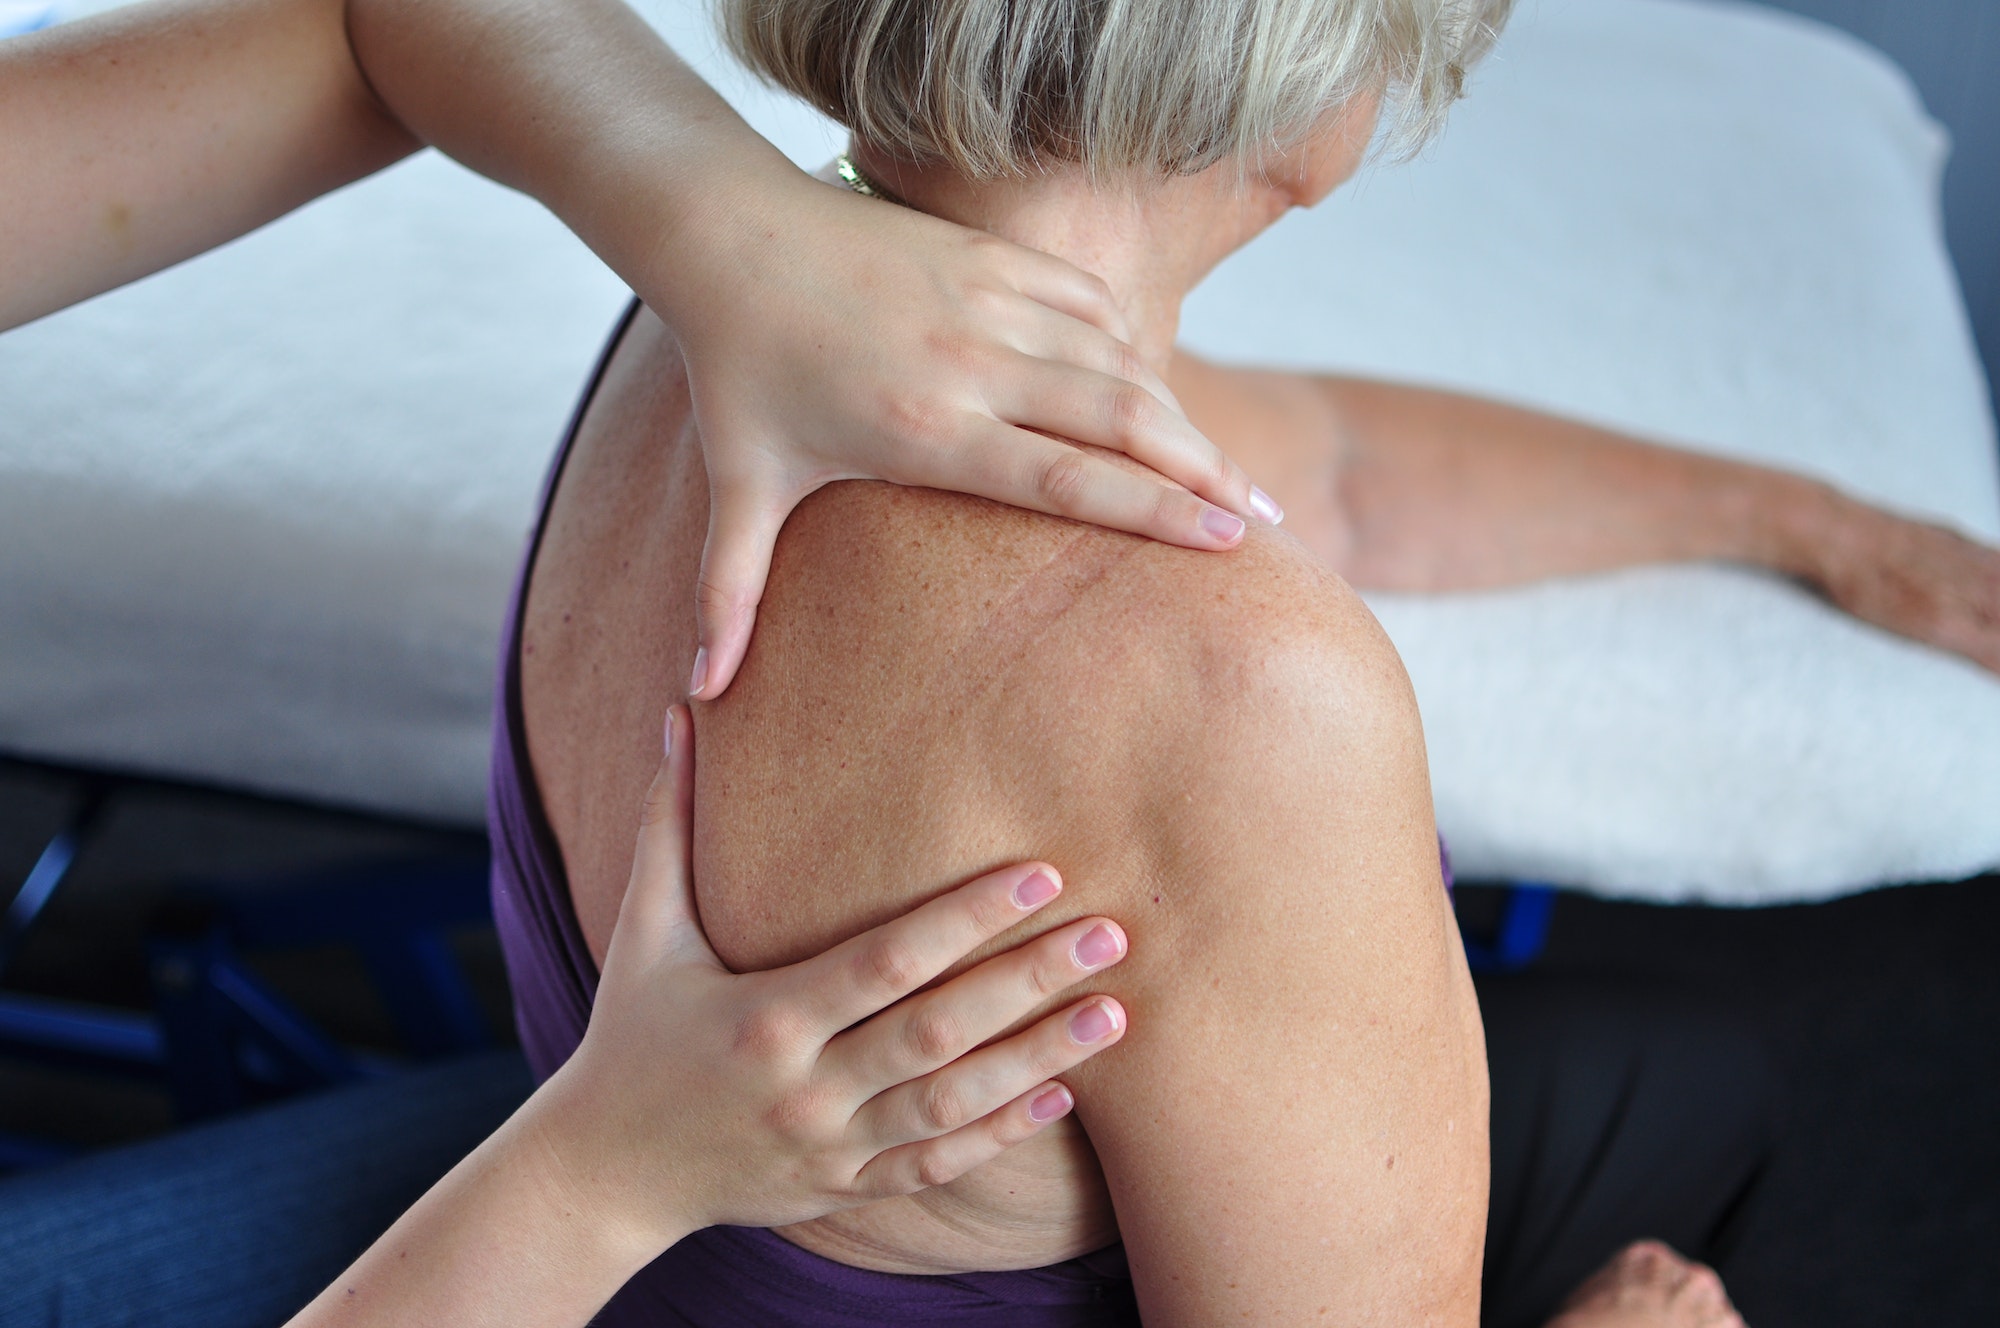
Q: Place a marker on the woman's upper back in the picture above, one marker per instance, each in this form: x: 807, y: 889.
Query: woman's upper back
x: 606, y: 645
x: 1218, y: 750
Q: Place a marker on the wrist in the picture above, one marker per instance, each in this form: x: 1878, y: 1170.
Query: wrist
x: 1790, y: 524
x: 710, y: 241
x: 621, y: 1213
x: 666, y: 210
x: 1813, y: 527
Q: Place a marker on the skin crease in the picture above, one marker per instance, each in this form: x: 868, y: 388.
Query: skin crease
x: 1222, y: 752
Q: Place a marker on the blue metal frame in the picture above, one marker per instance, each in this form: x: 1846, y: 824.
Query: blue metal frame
x: 220, y: 1038
x: 54, y: 863
x: 1523, y: 932
x: 88, y: 1037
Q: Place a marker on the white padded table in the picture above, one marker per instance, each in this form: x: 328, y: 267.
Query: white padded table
x: 259, y: 515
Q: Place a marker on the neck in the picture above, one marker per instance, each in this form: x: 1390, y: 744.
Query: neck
x: 1150, y: 241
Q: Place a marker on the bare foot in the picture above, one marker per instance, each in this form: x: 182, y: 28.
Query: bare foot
x: 1647, y: 1285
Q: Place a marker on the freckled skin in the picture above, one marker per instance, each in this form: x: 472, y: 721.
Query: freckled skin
x: 1218, y: 750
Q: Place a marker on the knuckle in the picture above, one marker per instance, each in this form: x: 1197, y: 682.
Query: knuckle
x: 1221, y: 470
x: 721, y: 600
x: 1134, y: 410
x: 991, y: 912
x: 1060, y: 480
x: 797, y: 1114
x: 1126, y: 363
x: 940, y: 1106
x: 916, y: 417
x: 959, y: 351
x: 892, y: 965
x: 1013, y: 1127
x: 934, y: 1035
x: 1053, y: 970
x: 661, y: 805
x: 935, y: 1168
x: 1173, y: 509
x: 1049, y: 1056
x: 769, y: 1032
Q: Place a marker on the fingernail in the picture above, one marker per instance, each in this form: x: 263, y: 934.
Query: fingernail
x: 1050, y: 1105
x: 699, y: 678
x: 669, y: 742
x: 1264, y: 508
x: 1220, y: 525
x: 1038, y: 888
x: 1093, y: 1023
x: 1097, y: 947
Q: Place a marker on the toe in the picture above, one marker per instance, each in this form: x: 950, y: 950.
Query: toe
x: 1707, y: 1300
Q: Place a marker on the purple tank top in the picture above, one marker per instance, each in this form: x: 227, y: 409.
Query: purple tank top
x: 724, y: 1277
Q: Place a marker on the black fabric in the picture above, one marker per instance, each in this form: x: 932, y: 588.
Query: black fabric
x: 1620, y: 1112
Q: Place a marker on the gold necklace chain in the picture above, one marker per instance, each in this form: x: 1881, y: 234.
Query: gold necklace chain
x: 853, y: 177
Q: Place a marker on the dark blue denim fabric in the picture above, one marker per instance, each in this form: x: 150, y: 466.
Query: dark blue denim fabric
x: 238, y: 1224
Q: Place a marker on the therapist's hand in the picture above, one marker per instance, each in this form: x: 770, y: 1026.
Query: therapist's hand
x: 830, y: 336
x: 701, y: 1097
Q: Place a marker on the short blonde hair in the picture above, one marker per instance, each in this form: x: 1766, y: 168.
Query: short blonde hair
x: 997, y: 87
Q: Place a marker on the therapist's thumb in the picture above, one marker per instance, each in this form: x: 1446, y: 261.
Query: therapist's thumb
x: 659, y: 903
x: 735, y: 563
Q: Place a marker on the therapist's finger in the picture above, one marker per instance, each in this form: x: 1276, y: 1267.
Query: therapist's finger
x: 879, y: 967
x: 930, y: 1030
x: 1052, y: 336
x: 1110, y: 408
x: 1066, y: 288
x: 973, y: 1086
x: 743, y: 527
x: 658, y: 910
x: 912, y: 1167
x: 1025, y: 469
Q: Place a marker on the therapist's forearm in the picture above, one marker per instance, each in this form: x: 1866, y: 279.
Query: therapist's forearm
x: 138, y: 138
x: 581, y: 105
x: 1443, y: 492
x: 511, y: 1236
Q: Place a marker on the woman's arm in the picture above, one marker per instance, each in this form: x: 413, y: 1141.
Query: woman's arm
x: 701, y: 1097
x: 1444, y: 492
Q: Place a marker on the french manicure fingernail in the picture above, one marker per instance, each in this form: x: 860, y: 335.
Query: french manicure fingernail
x: 1218, y: 524
x: 1039, y: 887
x: 1093, y: 1023
x: 699, y: 678
x: 1096, y: 947
x: 1050, y: 1105
x: 1264, y: 507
